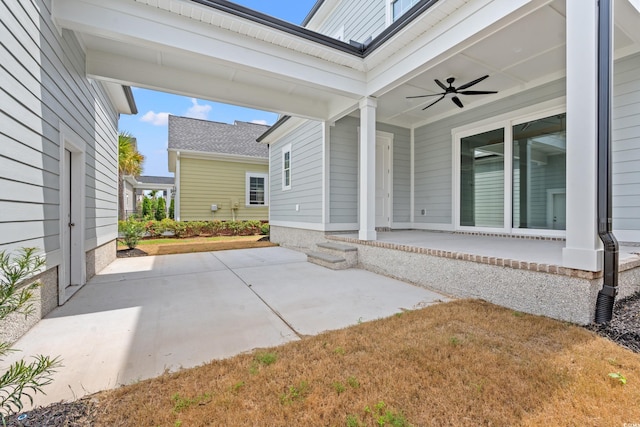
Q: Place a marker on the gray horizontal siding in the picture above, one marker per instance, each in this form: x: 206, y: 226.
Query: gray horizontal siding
x: 344, y: 171
x: 306, y: 176
x: 44, y: 84
x: 433, y: 151
x: 360, y: 19
x: 626, y: 144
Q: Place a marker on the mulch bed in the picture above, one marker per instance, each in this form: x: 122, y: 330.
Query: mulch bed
x: 623, y: 329
x: 127, y: 253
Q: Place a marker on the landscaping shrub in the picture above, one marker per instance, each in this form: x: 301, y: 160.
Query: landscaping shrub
x: 20, y: 380
x: 186, y: 229
x: 132, y: 231
x: 161, y: 210
x: 172, y: 208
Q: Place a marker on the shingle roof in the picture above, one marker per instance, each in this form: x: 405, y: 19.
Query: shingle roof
x: 214, y: 137
x: 148, y: 179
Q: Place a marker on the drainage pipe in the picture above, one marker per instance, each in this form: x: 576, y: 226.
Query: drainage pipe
x: 606, y: 296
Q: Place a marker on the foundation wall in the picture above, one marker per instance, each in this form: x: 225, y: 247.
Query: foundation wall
x: 99, y: 258
x: 45, y: 299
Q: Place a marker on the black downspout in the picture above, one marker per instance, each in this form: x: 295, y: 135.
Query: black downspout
x: 607, y: 295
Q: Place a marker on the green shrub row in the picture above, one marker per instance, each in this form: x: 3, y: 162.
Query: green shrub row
x: 183, y: 229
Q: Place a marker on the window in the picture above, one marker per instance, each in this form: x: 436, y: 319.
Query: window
x: 399, y: 7
x: 514, y: 176
x: 286, y: 167
x: 256, y: 189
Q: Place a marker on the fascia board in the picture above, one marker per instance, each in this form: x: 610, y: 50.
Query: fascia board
x: 287, y: 127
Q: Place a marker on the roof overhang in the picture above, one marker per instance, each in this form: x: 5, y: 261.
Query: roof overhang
x: 121, y: 97
x: 213, y: 50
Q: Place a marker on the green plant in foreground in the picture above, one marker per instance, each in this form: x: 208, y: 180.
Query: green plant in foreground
x: 182, y: 403
x: 353, y: 382
x: 339, y: 387
x: 618, y: 376
x: 20, y: 379
x: 353, y: 421
x: 294, y: 393
x: 266, y: 358
x: 132, y: 231
x: 383, y: 416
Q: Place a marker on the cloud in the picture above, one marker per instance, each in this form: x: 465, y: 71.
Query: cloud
x: 156, y: 119
x: 198, y: 111
x: 259, y: 122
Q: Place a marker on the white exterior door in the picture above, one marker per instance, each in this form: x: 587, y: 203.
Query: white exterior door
x: 383, y: 181
x: 66, y: 221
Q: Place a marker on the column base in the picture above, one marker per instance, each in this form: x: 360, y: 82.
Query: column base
x: 367, y: 235
x: 582, y: 259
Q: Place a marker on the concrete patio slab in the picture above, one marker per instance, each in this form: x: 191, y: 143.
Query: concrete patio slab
x: 142, y: 316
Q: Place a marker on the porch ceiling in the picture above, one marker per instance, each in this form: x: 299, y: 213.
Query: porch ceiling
x: 516, y: 56
x: 186, y: 48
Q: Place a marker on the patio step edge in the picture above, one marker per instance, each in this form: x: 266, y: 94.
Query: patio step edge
x: 327, y: 260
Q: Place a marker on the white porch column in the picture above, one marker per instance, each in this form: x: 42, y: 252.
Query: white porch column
x: 583, y: 249
x: 169, y: 202
x: 367, y: 169
x: 176, y: 205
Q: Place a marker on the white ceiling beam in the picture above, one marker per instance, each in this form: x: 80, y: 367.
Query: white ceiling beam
x: 152, y: 28
x: 135, y: 72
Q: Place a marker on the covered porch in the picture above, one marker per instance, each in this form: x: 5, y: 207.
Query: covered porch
x: 523, y: 273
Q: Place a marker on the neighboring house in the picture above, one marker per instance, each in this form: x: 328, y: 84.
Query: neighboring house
x: 58, y: 162
x: 352, y: 152
x: 135, y: 186
x: 221, y: 171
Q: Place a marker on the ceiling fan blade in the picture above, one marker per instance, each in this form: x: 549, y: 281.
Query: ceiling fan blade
x: 476, y: 81
x: 477, y: 92
x: 439, y: 83
x: 434, y: 102
x: 424, y: 96
x: 457, y: 101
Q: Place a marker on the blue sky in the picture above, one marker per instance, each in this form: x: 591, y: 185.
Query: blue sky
x: 149, y: 126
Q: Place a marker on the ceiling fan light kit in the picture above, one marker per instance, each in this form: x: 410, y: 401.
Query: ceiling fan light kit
x: 453, y: 92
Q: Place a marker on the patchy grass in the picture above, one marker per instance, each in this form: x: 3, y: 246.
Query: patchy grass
x: 464, y: 363
x: 168, y: 246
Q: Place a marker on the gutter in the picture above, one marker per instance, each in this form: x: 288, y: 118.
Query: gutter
x: 312, y: 13
x: 275, y: 126
x: 361, y: 50
x: 607, y: 295
x: 128, y: 93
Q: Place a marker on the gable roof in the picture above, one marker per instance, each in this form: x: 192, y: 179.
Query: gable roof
x: 205, y: 136
x: 149, y: 179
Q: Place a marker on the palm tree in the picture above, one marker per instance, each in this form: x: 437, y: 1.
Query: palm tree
x: 129, y: 163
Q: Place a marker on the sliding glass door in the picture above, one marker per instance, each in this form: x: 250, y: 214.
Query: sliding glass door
x: 520, y: 166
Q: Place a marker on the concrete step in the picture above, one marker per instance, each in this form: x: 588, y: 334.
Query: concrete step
x: 327, y: 260
x: 349, y: 253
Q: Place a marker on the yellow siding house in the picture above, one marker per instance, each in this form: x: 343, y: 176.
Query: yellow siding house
x: 221, y: 172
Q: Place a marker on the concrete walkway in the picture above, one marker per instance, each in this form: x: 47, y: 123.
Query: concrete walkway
x: 142, y: 316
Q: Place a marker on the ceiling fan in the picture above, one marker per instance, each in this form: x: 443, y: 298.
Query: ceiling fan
x: 460, y: 90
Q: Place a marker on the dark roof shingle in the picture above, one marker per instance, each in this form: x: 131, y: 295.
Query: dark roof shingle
x: 214, y: 137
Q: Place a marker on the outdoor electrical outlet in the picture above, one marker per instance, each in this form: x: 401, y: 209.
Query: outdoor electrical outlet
x: 297, y: 208
x: 424, y: 212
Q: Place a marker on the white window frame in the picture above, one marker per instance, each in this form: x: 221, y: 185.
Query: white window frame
x: 389, y: 8
x: 248, y: 177
x: 506, y: 122
x: 286, y: 149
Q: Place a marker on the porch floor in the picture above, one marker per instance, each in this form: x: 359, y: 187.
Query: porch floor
x: 528, y: 250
